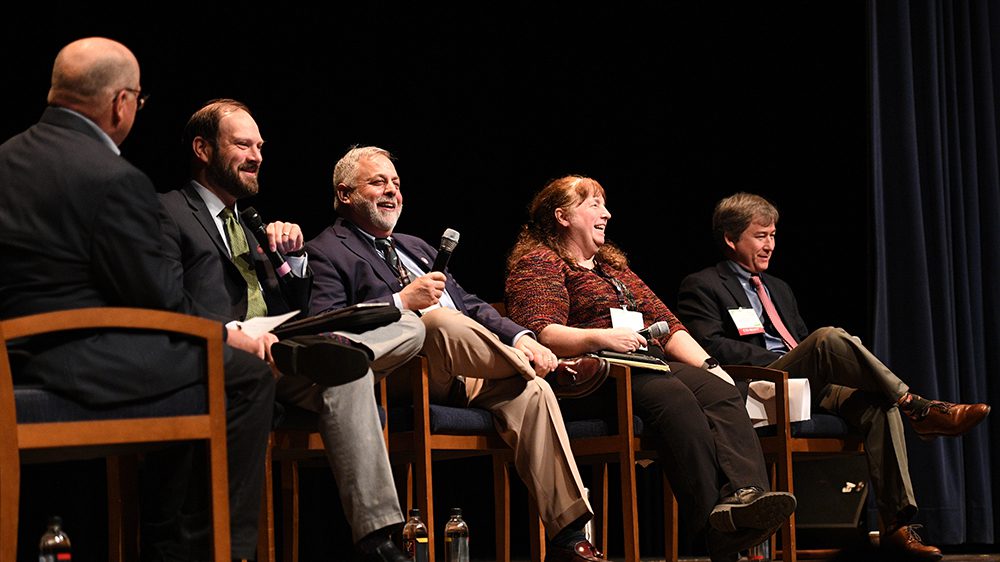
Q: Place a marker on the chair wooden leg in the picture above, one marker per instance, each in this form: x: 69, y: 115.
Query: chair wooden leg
x: 600, y: 523
x: 290, y: 510
x: 501, y: 506
x: 536, y: 533
x: 671, y: 537
x: 123, y: 507
x: 789, y: 546
x: 265, y: 528
x: 425, y: 497
x: 10, y: 495
x: 630, y: 513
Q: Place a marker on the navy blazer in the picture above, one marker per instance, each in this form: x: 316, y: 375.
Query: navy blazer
x: 348, y: 270
x: 703, y: 305
x: 197, y: 252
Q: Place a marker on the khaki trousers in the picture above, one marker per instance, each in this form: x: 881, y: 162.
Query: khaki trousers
x: 499, y: 378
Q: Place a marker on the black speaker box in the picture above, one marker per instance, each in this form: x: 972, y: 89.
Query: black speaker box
x: 831, y: 491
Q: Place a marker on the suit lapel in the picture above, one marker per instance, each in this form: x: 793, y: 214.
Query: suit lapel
x: 359, y: 244
x: 207, y: 222
x: 732, y: 284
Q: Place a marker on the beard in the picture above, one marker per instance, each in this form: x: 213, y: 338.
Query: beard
x: 230, y: 180
x: 370, y: 210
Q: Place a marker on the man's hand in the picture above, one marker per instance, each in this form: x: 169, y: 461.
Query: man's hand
x: 284, y: 237
x: 261, y: 347
x: 541, y: 357
x: 424, y: 291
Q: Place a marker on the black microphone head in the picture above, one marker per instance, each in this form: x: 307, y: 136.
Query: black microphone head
x: 251, y: 218
x: 449, y: 239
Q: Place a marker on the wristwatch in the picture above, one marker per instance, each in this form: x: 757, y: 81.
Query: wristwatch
x: 710, y: 363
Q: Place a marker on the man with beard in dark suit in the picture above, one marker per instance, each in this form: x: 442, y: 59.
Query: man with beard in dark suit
x: 79, y: 228
x: 744, y: 317
x: 226, y: 273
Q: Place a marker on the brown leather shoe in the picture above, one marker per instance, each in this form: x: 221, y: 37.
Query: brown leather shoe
x: 947, y: 419
x: 579, y: 376
x: 582, y: 551
x: 906, y: 544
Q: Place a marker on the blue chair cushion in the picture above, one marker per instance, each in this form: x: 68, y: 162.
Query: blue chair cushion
x: 819, y: 425
x: 36, y: 405
x: 597, y: 427
x: 446, y: 420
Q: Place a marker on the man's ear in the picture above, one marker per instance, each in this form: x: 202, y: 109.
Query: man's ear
x: 561, y: 217
x: 343, y: 193
x: 202, y: 149
x: 729, y: 242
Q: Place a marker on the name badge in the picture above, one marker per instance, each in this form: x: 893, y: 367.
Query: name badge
x: 746, y: 320
x: 621, y: 318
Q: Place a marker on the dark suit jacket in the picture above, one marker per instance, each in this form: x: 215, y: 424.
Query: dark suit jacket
x: 79, y: 228
x: 197, y: 253
x: 703, y: 304
x: 349, y: 271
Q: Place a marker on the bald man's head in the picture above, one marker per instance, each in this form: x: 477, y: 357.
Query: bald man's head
x: 91, y: 69
x: 89, y: 74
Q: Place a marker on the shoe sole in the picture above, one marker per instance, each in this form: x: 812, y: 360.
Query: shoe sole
x: 768, y: 511
x: 326, y: 363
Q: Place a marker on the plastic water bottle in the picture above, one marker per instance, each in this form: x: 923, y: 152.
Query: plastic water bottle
x: 456, y: 538
x: 55, y: 545
x: 415, y: 538
x: 760, y: 552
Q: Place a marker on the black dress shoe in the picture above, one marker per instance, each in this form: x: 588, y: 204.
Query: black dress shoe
x: 752, y: 508
x: 327, y: 360
x: 578, y: 377
x: 385, y: 551
x: 906, y: 544
x: 945, y: 419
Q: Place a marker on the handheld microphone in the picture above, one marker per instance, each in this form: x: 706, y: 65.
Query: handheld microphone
x: 656, y: 330
x: 256, y: 225
x: 448, y: 242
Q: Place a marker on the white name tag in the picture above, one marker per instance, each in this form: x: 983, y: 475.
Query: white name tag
x: 746, y: 320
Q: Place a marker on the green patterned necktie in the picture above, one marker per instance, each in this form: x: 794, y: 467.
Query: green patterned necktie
x: 241, y: 257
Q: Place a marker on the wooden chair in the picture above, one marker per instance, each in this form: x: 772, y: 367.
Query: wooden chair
x: 36, y: 425
x: 822, y: 434
x: 599, y: 443
x: 421, y: 432
x: 295, y: 441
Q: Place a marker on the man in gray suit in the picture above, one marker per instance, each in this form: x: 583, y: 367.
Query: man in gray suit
x: 207, y: 242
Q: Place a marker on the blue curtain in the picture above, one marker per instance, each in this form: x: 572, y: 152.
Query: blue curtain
x: 936, y: 205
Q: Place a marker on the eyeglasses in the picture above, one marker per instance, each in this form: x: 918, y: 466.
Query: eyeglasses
x: 140, y: 100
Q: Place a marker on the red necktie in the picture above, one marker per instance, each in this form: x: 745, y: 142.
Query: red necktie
x: 772, y: 312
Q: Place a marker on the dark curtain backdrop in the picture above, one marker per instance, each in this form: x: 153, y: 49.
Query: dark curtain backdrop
x: 937, y: 240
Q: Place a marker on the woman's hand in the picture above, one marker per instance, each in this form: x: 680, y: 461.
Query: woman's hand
x: 622, y: 340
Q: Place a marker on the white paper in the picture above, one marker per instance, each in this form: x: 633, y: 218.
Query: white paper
x: 256, y: 327
x: 761, y: 404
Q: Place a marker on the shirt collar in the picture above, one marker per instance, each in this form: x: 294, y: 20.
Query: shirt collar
x: 739, y: 270
x: 100, y: 132
x: 212, y: 201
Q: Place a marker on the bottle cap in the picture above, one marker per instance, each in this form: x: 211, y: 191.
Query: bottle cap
x: 415, y: 512
x: 456, y: 511
x: 55, y: 520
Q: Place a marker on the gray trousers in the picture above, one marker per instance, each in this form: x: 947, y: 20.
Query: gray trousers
x: 851, y: 382
x: 350, y: 427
